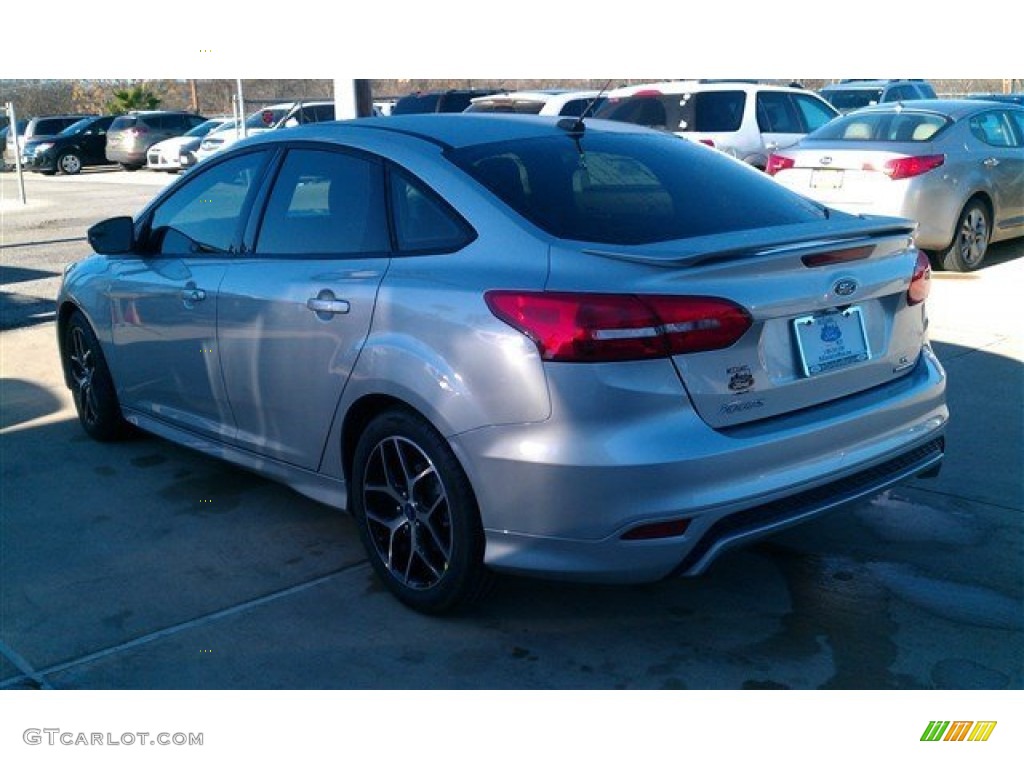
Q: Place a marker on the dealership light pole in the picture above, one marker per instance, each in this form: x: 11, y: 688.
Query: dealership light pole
x: 13, y: 130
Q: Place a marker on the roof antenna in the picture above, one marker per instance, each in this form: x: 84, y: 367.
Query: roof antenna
x: 574, y: 125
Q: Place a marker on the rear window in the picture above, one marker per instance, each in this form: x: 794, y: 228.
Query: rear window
x: 507, y: 106
x: 703, y: 112
x: 853, y: 99
x: 416, y: 104
x: 883, y: 126
x: 630, y: 189
x: 123, y: 123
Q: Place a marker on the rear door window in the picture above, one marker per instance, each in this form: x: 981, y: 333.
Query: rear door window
x: 776, y: 113
x: 325, y: 202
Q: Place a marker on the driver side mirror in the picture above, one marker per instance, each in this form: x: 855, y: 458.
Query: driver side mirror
x: 112, y: 236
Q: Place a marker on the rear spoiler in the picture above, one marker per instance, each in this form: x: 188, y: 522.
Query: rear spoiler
x: 793, y: 238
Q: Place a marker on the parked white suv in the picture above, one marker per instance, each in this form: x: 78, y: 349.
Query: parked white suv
x: 547, y: 102
x: 747, y: 120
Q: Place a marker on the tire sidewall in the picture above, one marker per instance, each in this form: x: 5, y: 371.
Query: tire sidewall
x: 952, y: 259
x: 109, y: 424
x: 65, y: 156
x: 465, y: 573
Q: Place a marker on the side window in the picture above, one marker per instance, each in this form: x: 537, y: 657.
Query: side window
x: 325, y: 203
x: 814, y: 113
x: 993, y: 129
x: 1018, y: 118
x: 775, y: 113
x: 204, y: 216
x: 423, y: 222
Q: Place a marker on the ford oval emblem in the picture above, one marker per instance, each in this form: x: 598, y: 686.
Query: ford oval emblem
x: 826, y: 160
x: 845, y: 287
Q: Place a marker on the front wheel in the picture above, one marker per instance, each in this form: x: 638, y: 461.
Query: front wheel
x: 69, y: 163
x: 417, y: 515
x: 92, y: 387
x: 970, y: 240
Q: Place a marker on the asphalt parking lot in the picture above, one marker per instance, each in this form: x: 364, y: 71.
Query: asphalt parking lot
x: 141, y: 565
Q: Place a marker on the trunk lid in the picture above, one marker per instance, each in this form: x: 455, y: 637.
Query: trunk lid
x: 828, y: 303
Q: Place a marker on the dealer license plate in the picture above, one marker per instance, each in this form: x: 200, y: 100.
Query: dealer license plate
x: 831, y: 341
x: 826, y: 178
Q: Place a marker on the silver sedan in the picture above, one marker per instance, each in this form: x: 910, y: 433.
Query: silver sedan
x: 955, y: 167
x: 573, y: 349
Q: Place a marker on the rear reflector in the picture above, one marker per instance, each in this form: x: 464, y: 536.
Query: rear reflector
x: 908, y: 167
x: 921, y: 282
x: 838, y: 257
x: 597, y: 327
x: 778, y: 163
x: 657, y: 530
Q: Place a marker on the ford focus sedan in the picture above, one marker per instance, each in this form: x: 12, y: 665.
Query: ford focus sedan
x: 583, y: 351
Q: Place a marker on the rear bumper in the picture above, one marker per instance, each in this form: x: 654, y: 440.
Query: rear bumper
x: 126, y: 156
x: 557, y: 501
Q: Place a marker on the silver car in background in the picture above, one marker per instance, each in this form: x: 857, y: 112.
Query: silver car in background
x: 955, y: 167
x: 581, y: 350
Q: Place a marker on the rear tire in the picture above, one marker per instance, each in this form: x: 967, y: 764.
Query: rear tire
x: 129, y: 167
x: 92, y: 387
x: 417, y: 515
x: 970, y: 239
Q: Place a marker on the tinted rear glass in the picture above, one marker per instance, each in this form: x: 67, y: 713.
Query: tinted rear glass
x: 630, y: 189
x: 883, y: 126
x: 853, y: 99
x: 416, y: 104
x: 508, y: 107
x: 123, y: 123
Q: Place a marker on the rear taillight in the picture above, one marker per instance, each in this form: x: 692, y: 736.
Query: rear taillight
x: 138, y: 131
x: 707, y: 142
x: 647, y: 94
x: 921, y: 282
x: 907, y: 167
x: 778, y: 163
x: 593, y: 327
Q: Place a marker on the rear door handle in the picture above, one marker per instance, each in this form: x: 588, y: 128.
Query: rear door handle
x: 325, y: 303
x: 193, y: 294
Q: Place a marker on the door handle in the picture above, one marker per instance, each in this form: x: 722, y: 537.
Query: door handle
x: 990, y: 162
x: 193, y: 294
x: 326, y: 304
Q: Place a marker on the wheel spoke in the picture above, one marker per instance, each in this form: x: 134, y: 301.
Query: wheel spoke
x: 405, y: 507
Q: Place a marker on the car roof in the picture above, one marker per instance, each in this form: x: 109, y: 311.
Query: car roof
x: 954, y: 108
x: 853, y: 84
x: 690, y: 86
x: 449, y: 130
x: 544, y: 96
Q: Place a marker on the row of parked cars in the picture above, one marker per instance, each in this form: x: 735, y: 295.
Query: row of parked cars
x: 955, y: 167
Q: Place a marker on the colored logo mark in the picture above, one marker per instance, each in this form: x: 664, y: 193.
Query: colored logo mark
x: 958, y: 730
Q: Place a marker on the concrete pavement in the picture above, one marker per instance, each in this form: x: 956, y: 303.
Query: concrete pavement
x: 143, y: 565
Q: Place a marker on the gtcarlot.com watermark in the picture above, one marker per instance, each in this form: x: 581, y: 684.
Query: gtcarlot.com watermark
x: 56, y: 737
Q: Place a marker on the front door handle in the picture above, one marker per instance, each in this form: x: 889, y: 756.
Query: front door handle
x: 990, y: 162
x: 192, y: 295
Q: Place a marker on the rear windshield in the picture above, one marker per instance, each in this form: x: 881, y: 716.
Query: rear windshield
x: 123, y: 123
x: 630, y: 189
x: 704, y: 112
x: 853, y: 99
x: 507, y: 107
x: 883, y: 126
x: 416, y: 104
